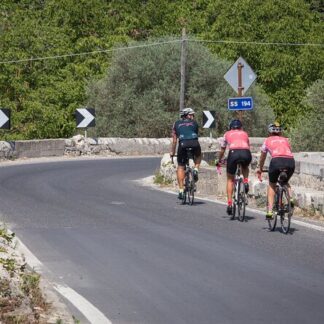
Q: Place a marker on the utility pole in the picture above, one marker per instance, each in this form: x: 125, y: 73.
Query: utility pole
x: 240, y: 89
x: 183, y: 68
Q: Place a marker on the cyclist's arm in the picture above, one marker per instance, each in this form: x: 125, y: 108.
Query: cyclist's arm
x: 221, y: 153
x: 174, y: 142
x: 262, y: 160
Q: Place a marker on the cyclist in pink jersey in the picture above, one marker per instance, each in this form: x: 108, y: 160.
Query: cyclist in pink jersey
x: 281, y: 158
x: 238, y: 143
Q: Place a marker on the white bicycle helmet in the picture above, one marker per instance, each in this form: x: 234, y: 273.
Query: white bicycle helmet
x: 186, y: 112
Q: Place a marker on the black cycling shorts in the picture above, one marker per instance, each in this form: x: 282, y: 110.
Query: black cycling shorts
x: 278, y: 164
x: 236, y: 157
x: 182, y: 152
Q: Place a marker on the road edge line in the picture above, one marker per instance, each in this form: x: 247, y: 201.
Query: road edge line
x: 92, y: 314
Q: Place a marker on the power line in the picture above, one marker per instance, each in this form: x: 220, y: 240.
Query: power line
x: 87, y: 53
x: 257, y: 43
x: 157, y: 44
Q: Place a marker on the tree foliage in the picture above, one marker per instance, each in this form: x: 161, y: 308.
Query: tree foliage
x: 139, y: 97
x: 43, y: 94
x: 283, y: 71
x: 308, y: 134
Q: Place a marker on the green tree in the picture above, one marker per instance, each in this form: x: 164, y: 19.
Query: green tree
x: 139, y: 97
x: 308, y: 134
x: 283, y: 71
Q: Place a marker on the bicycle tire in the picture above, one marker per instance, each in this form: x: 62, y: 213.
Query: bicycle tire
x: 191, y: 188
x: 285, y: 210
x: 191, y: 194
x: 241, y: 201
x: 186, y: 186
x: 272, y: 223
x: 234, y: 203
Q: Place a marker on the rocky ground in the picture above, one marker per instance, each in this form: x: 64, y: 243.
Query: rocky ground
x: 24, y: 296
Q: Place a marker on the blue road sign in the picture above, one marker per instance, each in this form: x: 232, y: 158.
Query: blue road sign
x: 240, y: 103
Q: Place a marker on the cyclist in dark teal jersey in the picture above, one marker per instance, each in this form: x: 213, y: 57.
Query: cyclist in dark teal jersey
x: 185, y: 131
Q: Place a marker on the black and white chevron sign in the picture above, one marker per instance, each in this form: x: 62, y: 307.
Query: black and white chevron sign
x: 209, y: 119
x: 5, y: 118
x: 85, y: 117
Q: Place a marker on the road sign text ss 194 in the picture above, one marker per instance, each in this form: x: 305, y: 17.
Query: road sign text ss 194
x: 240, y: 103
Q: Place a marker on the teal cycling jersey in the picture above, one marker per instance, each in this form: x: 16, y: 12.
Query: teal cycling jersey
x: 185, y: 129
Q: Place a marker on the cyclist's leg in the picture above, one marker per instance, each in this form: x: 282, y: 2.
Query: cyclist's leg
x: 271, y: 195
x: 246, y: 157
x: 290, y: 167
x: 197, y: 155
x: 274, y: 171
x: 230, y: 168
x: 197, y: 159
x: 180, y: 176
x: 181, y: 159
x: 229, y: 188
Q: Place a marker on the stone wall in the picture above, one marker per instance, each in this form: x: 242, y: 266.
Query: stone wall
x: 307, y: 188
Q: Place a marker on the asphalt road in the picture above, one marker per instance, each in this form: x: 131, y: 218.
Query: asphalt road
x: 141, y: 257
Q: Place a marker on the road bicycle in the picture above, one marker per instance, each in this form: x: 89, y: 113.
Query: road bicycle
x: 239, y: 194
x: 189, y: 182
x: 282, y: 204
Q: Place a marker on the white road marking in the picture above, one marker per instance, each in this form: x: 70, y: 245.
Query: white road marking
x: 93, y: 314
x: 312, y: 226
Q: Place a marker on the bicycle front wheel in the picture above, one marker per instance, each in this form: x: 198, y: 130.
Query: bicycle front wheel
x: 241, y: 201
x: 272, y: 222
x: 285, y: 210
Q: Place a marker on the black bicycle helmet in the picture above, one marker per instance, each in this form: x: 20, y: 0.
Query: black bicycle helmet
x: 235, y: 124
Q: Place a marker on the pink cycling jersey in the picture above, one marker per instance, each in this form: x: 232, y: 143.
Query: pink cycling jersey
x: 236, y: 139
x: 277, y: 146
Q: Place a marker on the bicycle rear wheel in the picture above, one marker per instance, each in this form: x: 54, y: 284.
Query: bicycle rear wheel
x: 285, y: 210
x: 272, y: 223
x: 241, y: 201
x: 191, y: 188
x: 234, y: 203
x: 186, y: 188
